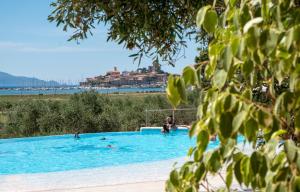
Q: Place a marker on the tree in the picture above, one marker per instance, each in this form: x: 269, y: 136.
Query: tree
x: 250, y: 85
x: 254, y: 71
x: 158, y: 29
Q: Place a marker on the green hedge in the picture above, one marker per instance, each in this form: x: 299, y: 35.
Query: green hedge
x: 85, y: 112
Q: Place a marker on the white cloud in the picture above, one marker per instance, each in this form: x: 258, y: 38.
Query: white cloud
x: 21, y: 47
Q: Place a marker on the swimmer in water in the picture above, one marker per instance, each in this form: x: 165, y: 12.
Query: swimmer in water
x: 103, y: 138
x: 76, y: 136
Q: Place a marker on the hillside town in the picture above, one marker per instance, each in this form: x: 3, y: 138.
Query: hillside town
x: 142, y: 77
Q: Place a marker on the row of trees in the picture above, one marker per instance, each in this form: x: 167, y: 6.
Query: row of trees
x: 85, y: 112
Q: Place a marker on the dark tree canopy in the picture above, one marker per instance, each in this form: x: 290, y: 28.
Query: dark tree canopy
x: 157, y: 29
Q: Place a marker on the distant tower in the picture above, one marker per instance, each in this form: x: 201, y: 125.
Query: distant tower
x: 115, y: 68
x: 156, y: 66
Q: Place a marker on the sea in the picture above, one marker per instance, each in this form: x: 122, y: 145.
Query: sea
x: 72, y: 90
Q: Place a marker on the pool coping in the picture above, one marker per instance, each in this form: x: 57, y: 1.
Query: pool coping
x: 159, y: 128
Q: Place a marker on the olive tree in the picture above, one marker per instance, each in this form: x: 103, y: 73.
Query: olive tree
x: 156, y: 29
x: 255, y: 48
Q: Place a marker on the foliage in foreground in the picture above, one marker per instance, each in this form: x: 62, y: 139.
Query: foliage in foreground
x: 250, y: 85
x: 254, y: 53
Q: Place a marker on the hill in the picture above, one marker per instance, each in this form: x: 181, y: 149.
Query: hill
x: 8, y: 80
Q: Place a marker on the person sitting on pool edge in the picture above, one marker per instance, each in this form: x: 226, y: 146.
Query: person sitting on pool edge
x: 165, y: 129
x: 171, y: 123
x: 213, y: 137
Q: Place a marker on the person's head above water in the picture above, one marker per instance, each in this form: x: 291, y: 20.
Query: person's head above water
x: 109, y: 146
x: 76, y: 135
x: 103, y: 138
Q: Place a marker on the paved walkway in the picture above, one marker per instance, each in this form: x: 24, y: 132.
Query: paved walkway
x: 148, y: 176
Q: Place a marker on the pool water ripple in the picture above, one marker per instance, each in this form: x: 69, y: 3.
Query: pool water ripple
x: 61, y: 153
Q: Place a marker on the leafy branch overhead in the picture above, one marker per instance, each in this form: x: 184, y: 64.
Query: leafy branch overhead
x: 157, y: 29
x: 254, y: 91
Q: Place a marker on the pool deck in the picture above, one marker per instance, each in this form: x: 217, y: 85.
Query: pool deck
x: 146, y: 177
x: 149, y: 176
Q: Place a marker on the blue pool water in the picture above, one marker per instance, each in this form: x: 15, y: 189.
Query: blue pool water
x: 60, y: 153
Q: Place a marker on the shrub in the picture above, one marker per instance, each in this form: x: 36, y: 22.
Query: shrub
x: 255, y: 88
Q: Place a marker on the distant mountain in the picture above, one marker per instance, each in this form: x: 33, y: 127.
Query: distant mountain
x: 7, y: 80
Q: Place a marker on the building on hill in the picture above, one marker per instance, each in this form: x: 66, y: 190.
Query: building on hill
x: 142, y: 77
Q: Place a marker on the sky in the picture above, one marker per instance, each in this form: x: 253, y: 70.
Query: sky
x: 32, y: 46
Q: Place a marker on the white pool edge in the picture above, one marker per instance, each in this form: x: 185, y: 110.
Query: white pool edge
x: 89, y: 178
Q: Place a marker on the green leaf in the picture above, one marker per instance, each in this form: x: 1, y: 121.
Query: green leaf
x: 278, y: 161
x: 191, y: 150
x: 219, y: 78
x: 201, y: 14
x: 288, y: 39
x: 247, y: 94
x: 237, y: 172
x: 172, y: 91
x: 251, y: 128
x: 279, y: 187
x: 195, y: 129
x: 297, y: 120
x: 291, y: 150
x: 247, y: 67
x: 214, y: 163
x: 229, y: 176
x: 284, y: 103
x: 295, y: 82
x: 228, y: 102
x: 202, y: 140
x: 232, y: 2
x: 278, y: 133
x: 189, y: 76
x: 263, y: 168
x: 296, y: 183
x: 210, y: 21
x: 251, y: 23
x: 174, y: 178
x: 296, y: 31
x: 235, y: 43
x: 200, y: 172
x: 227, y: 58
x: 268, y: 40
x: 191, y: 189
x: 245, y: 170
x: 254, y: 162
x: 278, y: 104
x: 181, y: 89
x: 238, y: 120
x: 251, y: 41
x: 283, y: 54
x: 226, y: 124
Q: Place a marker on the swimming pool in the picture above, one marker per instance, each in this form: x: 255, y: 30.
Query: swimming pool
x: 61, y: 153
